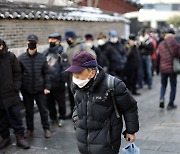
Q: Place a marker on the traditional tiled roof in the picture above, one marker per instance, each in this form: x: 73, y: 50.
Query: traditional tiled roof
x: 50, y: 12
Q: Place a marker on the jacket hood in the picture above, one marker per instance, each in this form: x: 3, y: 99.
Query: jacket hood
x: 5, y: 48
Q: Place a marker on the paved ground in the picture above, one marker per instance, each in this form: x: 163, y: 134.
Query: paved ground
x: 159, y: 130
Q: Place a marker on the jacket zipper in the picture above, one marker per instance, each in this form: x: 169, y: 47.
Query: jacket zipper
x: 33, y: 78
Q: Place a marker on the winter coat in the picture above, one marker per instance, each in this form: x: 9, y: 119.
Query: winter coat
x: 146, y: 47
x: 97, y: 127
x: 133, y: 58
x: 77, y: 47
x: 35, y: 73
x: 10, y: 79
x: 101, y: 58
x: 164, y: 59
x: 115, y: 53
x: 56, y: 58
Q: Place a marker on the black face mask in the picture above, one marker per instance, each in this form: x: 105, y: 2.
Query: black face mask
x: 52, y: 44
x: 32, y: 45
x: 69, y: 42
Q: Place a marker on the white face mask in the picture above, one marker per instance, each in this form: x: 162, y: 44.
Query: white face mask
x: 101, y: 42
x: 81, y: 83
x: 113, y: 39
x: 89, y: 44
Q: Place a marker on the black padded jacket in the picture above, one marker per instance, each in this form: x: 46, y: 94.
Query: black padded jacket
x: 97, y: 127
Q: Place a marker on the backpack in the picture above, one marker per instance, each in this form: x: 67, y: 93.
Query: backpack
x: 110, y: 84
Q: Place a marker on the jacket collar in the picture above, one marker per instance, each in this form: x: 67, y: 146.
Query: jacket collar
x: 98, y: 80
x: 31, y: 55
x: 56, y: 49
x: 77, y: 42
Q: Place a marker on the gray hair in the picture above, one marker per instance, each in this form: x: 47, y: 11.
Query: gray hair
x: 92, y: 68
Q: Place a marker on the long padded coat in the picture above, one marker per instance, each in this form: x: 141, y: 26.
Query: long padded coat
x: 10, y: 79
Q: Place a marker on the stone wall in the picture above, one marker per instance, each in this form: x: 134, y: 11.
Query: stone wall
x: 15, y: 32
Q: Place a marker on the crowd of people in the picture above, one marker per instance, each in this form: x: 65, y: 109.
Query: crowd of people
x: 41, y: 76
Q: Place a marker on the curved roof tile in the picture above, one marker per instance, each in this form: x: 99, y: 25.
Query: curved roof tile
x: 47, y: 12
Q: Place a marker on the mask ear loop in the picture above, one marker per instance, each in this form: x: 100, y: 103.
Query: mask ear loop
x: 89, y: 74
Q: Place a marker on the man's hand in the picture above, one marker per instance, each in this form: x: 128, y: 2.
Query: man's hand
x: 130, y: 137
x: 46, y: 91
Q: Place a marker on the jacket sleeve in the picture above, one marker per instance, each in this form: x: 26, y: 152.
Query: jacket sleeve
x: 127, y: 105
x: 16, y: 71
x: 46, y: 75
x: 157, y: 60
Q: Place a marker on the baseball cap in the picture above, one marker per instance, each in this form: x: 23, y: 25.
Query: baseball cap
x: 81, y: 61
x: 32, y: 37
x: 55, y: 35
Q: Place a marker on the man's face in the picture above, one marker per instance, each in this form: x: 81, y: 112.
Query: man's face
x: 54, y: 40
x: 89, y: 43
x: 131, y: 42
x: 31, y: 42
x: 85, y: 74
x: 70, y: 41
x: 32, y: 45
x: 101, y: 41
x: 1, y: 47
x: 113, y: 39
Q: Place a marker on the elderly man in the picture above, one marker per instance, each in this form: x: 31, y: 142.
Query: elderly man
x: 98, y: 111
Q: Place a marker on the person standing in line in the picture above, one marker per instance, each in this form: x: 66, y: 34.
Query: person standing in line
x: 35, y: 85
x: 146, y: 49
x: 101, y: 59
x: 118, y: 53
x: 75, y: 45
x: 56, y: 59
x: 132, y: 65
x: 10, y: 83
